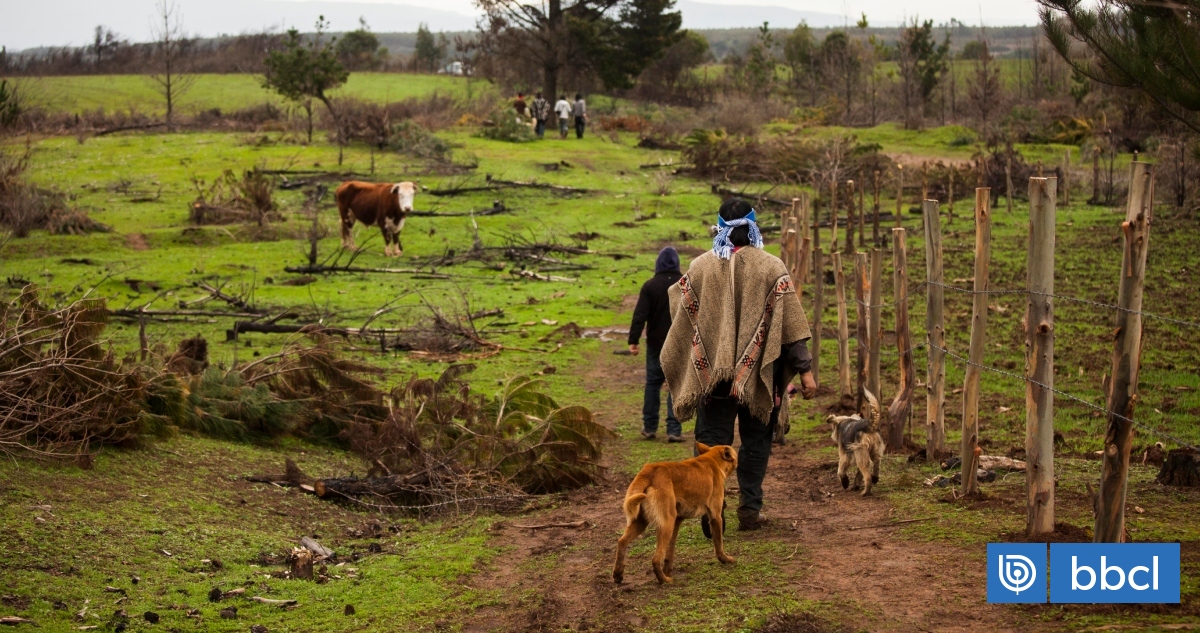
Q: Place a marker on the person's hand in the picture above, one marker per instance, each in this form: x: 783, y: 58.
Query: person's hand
x: 633, y: 349
x: 808, y: 385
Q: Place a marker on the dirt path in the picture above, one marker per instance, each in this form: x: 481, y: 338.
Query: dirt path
x: 560, y: 579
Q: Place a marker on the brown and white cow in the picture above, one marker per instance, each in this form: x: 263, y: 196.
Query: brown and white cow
x: 385, y: 205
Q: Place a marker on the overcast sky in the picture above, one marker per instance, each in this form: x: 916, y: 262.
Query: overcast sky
x: 29, y: 23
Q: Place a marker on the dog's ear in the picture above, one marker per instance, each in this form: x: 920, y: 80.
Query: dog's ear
x: 728, y: 454
x: 702, y: 448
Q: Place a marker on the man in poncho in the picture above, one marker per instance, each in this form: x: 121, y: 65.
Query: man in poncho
x: 738, y: 336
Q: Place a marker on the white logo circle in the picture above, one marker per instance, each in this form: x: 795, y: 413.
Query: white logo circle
x: 1017, y: 573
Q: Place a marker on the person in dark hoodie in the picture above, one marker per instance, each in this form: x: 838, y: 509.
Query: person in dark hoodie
x: 653, y: 312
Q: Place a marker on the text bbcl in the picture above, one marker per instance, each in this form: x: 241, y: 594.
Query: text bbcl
x: 1114, y: 572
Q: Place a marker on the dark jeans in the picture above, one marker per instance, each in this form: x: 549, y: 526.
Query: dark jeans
x: 540, y: 129
x: 714, y: 426
x: 579, y: 125
x: 654, y: 382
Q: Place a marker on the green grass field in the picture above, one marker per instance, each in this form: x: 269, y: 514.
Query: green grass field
x: 136, y: 93
x: 105, y: 525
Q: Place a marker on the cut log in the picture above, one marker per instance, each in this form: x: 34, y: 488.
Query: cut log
x: 997, y: 462
x: 316, y: 548
x: 1181, y: 468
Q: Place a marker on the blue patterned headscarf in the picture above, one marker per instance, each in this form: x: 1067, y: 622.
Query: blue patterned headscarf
x: 722, y: 246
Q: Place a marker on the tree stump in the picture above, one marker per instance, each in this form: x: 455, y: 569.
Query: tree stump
x: 302, y: 564
x: 1181, y: 468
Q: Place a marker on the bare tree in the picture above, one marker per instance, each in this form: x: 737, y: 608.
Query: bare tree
x: 171, y: 46
x: 984, y: 88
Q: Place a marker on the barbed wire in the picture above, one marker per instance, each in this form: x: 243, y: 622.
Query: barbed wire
x: 1098, y: 304
x: 1068, y: 396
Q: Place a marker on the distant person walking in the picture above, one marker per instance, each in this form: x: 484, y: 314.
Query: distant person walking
x: 580, y: 112
x: 653, y: 312
x: 520, y: 106
x: 563, y: 109
x: 541, y: 112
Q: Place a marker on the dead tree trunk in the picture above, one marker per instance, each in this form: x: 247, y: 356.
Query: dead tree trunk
x: 1039, y: 359
x: 861, y: 296
x: 1127, y: 358
x: 875, y: 323
x: 843, y: 328
x: 935, y: 387
x: 901, y: 406
x: 979, y: 307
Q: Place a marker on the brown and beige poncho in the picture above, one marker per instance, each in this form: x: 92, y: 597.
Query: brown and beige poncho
x: 729, y: 319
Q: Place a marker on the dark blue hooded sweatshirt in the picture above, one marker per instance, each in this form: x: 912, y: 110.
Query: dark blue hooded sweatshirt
x: 653, y: 311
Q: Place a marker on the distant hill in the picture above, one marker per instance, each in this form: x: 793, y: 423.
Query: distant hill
x: 704, y: 15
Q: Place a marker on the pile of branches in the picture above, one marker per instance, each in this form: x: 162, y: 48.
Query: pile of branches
x: 61, y: 390
x: 443, y: 449
x: 25, y: 207
x: 717, y: 155
x: 234, y: 200
x: 504, y: 125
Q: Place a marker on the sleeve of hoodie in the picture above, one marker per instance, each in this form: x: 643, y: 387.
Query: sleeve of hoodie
x: 794, y: 360
x: 641, y: 314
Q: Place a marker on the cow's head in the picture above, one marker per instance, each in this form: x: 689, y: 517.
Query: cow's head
x: 405, y: 192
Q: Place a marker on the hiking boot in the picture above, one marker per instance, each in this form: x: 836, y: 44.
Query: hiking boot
x: 751, y: 521
x: 647, y: 435
x: 674, y: 439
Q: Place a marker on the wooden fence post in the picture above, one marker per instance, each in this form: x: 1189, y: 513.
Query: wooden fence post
x: 901, y: 406
x: 1066, y: 178
x: 924, y: 181
x: 1095, y: 176
x: 851, y: 221
x: 949, y: 196
x: 1008, y: 190
x: 833, y: 217
x: 805, y: 240
x: 862, y: 229
x: 843, y: 328
x: 818, y: 310
x: 1039, y: 359
x: 862, y: 299
x: 875, y: 230
x: 816, y: 227
x: 935, y: 384
x: 1127, y: 356
x: 899, y: 201
x: 874, y: 323
x: 979, y: 308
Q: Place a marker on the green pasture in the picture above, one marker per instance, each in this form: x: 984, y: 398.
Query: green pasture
x: 136, y: 93
x: 106, y: 525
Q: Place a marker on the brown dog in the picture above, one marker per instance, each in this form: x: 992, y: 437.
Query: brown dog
x: 665, y: 493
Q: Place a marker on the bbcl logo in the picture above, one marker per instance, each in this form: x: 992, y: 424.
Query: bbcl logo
x: 1083, y: 573
x: 1016, y: 573
x: 1114, y: 572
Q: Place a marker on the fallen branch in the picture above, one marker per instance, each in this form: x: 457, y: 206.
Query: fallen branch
x: 323, y: 269
x: 576, y: 525
x: 126, y: 128
x: 724, y: 191
x: 135, y: 314
x: 275, y: 603
x: 892, y: 524
x: 231, y: 300
x: 316, y: 548
x: 529, y: 274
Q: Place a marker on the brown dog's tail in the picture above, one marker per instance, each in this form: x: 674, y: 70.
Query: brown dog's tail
x: 873, y: 411
x: 633, y: 506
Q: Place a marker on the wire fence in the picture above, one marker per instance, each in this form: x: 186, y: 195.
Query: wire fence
x: 919, y: 287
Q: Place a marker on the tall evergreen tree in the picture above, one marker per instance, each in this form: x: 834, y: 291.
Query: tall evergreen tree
x: 1149, y: 46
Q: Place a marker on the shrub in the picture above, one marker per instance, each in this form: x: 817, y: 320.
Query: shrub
x: 504, y: 125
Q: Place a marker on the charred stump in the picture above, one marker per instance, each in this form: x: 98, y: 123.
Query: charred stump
x: 1181, y: 468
